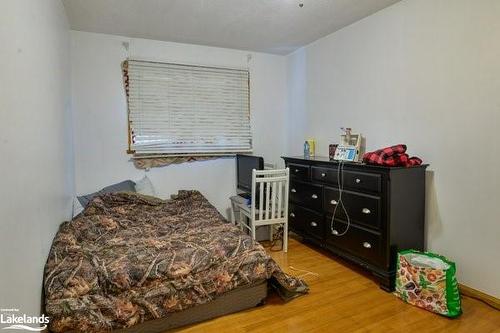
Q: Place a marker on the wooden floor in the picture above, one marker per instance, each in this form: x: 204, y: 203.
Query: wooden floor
x: 344, y: 299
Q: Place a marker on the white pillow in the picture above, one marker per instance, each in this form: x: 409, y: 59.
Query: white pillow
x: 77, y: 207
x: 144, y: 186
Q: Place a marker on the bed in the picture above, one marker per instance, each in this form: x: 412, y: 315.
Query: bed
x: 135, y: 263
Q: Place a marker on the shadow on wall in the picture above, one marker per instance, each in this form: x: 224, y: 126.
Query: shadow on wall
x: 229, y: 214
x: 433, y: 221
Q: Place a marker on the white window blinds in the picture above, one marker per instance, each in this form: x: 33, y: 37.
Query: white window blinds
x: 188, y: 110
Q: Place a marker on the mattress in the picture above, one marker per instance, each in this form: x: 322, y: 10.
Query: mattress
x: 129, y: 259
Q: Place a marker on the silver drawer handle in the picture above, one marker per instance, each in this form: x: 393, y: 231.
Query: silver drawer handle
x: 314, y: 196
x: 358, y: 180
x: 297, y: 170
x: 293, y: 190
x: 323, y: 175
x: 334, y: 202
x: 367, y: 245
x: 366, y: 211
x: 292, y: 215
x: 314, y: 224
x: 335, y: 232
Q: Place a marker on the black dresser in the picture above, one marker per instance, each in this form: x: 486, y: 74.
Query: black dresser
x: 386, y: 207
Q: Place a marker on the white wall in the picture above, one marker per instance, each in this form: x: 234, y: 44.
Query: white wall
x: 35, y: 144
x: 425, y: 73
x: 99, y: 105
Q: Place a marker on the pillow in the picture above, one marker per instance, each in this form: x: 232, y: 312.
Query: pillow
x: 77, y: 207
x: 125, y: 186
x: 144, y: 186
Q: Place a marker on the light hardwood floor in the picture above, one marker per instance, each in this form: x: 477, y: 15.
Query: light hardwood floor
x: 344, y: 299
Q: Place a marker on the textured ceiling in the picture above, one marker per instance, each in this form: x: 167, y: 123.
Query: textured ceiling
x: 273, y: 26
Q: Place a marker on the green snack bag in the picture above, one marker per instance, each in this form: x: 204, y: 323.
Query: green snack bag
x: 428, y: 281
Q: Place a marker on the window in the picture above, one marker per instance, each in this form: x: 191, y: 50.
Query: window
x: 179, y: 110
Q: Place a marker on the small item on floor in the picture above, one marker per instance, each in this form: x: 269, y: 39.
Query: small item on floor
x: 304, y: 272
x: 392, y: 156
x: 277, y: 237
x: 428, y: 281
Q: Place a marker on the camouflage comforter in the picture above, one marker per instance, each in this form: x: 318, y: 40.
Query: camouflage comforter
x: 129, y: 258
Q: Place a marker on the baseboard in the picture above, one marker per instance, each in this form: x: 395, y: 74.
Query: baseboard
x: 479, y: 295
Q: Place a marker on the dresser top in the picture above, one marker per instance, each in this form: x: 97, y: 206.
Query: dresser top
x: 326, y: 161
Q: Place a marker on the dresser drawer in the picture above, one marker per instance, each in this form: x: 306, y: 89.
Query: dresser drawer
x: 362, y: 208
x: 307, y: 195
x: 296, y: 218
x: 306, y: 221
x: 362, y: 181
x: 299, y: 171
x: 315, y: 225
x: 363, y: 243
x: 326, y: 175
